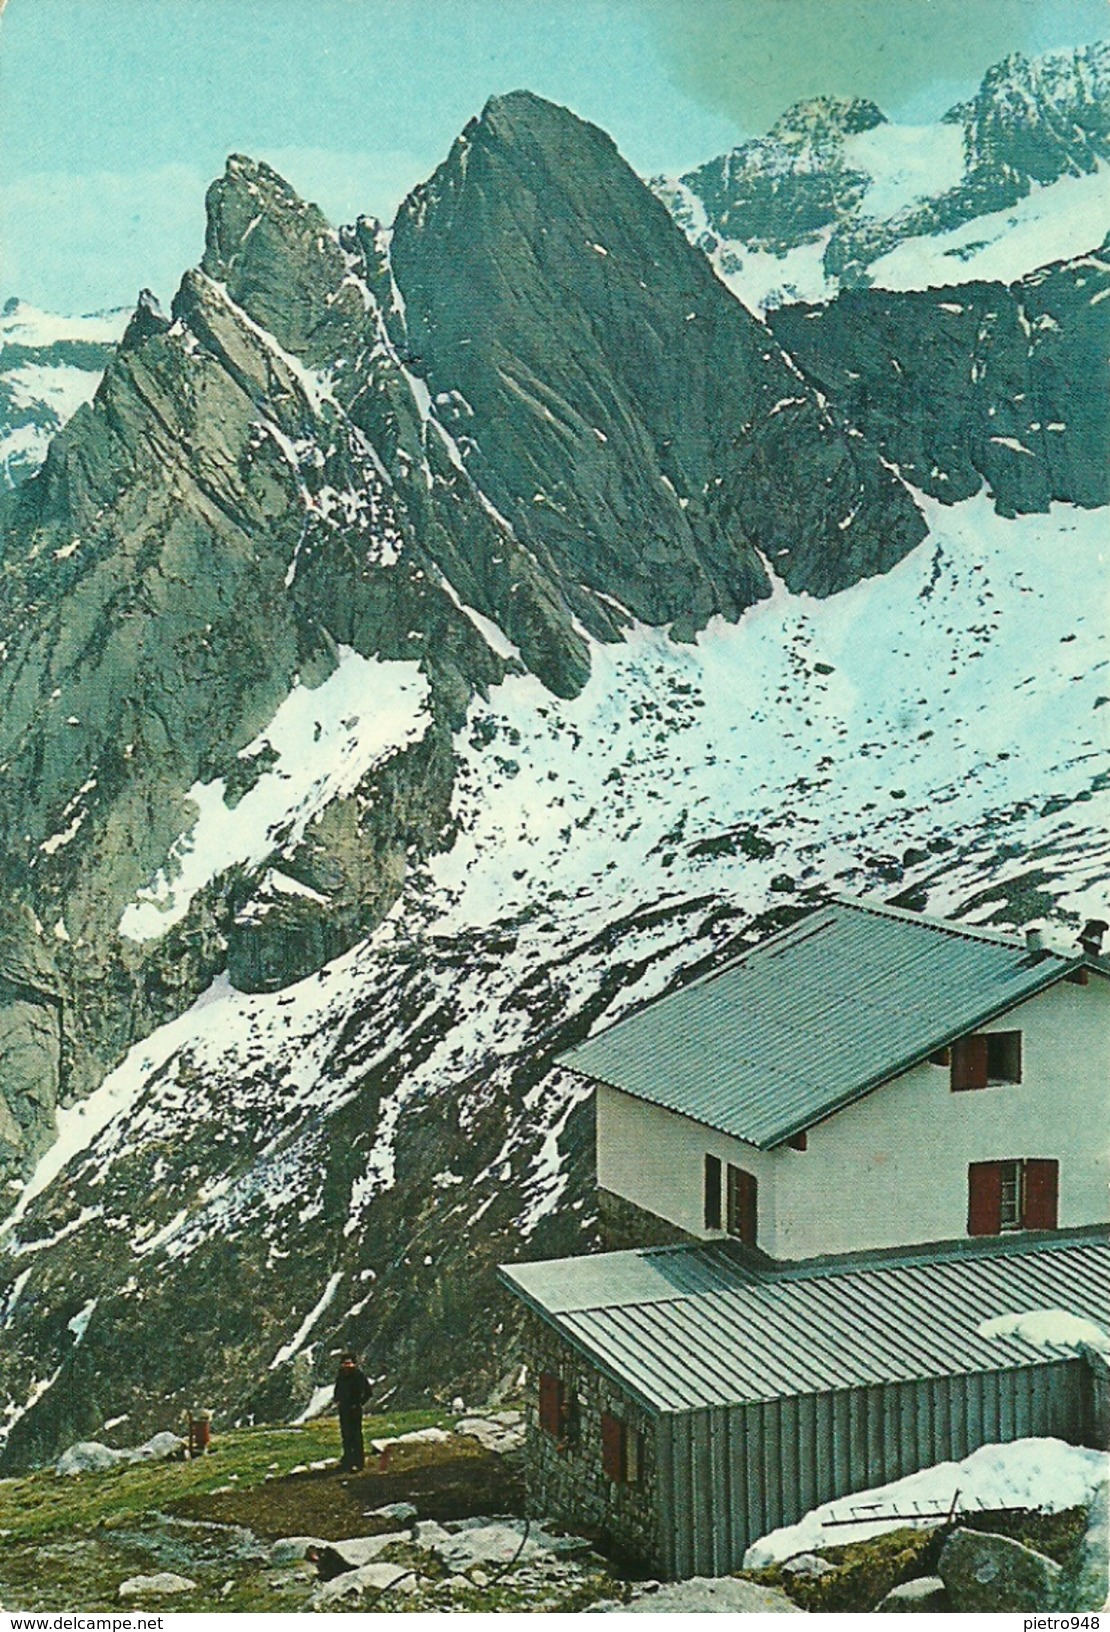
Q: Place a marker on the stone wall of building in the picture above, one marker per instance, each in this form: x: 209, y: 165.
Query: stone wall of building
x: 622, y: 1224
x: 566, y: 1481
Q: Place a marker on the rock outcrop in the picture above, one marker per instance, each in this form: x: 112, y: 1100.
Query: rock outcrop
x: 630, y: 419
x: 977, y: 384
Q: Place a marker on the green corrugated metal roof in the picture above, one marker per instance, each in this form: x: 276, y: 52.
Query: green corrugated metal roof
x: 687, y: 1327
x: 843, y: 1000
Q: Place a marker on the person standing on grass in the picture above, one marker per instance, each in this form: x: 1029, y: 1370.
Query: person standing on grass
x: 352, y: 1390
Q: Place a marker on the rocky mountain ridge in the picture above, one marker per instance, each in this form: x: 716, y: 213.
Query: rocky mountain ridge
x: 264, y: 484
x: 976, y: 384
x: 429, y: 643
x: 837, y: 197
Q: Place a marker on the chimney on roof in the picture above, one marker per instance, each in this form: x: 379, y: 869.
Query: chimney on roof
x: 1090, y: 936
x: 1034, y: 938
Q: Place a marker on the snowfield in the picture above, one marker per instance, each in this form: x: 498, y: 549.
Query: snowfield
x: 1052, y: 223
x: 907, y: 707
x: 948, y: 712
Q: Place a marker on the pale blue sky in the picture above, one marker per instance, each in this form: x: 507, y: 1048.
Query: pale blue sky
x: 115, y: 114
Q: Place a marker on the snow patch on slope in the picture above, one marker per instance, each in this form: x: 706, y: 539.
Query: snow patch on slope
x: 25, y: 325
x: 325, y: 740
x: 1052, y: 223
x: 905, y: 163
x: 919, y: 689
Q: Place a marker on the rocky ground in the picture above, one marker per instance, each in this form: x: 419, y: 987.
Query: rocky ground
x: 436, y: 1522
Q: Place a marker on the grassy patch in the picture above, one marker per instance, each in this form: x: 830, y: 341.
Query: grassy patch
x: 44, y: 1504
x: 69, y: 1542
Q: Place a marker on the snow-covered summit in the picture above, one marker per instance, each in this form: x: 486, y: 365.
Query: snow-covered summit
x: 835, y: 195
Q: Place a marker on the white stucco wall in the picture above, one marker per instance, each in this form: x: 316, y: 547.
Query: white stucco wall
x: 891, y: 1170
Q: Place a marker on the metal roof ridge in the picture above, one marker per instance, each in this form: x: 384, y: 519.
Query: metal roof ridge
x: 728, y: 1256
x: 960, y: 1249
x: 948, y: 926
x: 704, y: 979
x: 814, y: 1270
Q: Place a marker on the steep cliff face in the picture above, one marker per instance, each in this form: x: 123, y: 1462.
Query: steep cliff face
x: 632, y: 421
x: 978, y: 383
x: 442, y: 457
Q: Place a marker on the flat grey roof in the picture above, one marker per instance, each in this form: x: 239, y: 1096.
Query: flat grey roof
x: 686, y: 1327
x: 842, y: 1001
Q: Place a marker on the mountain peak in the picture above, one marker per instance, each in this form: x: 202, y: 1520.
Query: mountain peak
x: 524, y: 120
x: 248, y: 191
x: 826, y: 119
x: 147, y: 319
x: 277, y: 255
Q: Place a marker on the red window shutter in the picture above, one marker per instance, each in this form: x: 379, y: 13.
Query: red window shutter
x: 551, y: 1403
x: 984, y: 1198
x: 969, y: 1063
x: 612, y: 1447
x: 1042, y: 1184
x: 743, y: 1205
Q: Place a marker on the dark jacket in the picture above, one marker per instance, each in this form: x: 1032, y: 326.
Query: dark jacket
x: 352, y: 1388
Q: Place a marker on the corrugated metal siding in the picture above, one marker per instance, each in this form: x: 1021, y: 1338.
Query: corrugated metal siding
x: 797, y: 1333
x: 730, y: 1475
x: 843, y: 1000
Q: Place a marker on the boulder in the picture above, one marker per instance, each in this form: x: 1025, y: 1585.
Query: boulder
x: 88, y: 1456
x: 704, y: 1595
x: 163, y: 1585
x: 984, y: 1572
x: 359, y: 1550
x: 926, y: 1592
x: 504, y: 1432
x: 157, y: 1449
x: 398, y: 1512
x: 291, y: 1549
x: 493, y: 1542
x: 1086, y: 1583
x: 367, y: 1583
x: 429, y: 1533
x: 807, y: 1566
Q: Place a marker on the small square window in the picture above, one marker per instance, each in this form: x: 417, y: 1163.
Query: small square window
x: 985, y: 1059
x: 1004, y: 1056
